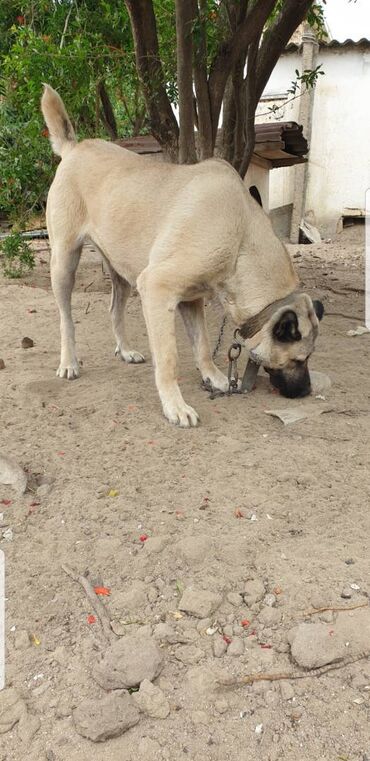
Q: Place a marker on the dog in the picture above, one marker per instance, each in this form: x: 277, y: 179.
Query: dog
x: 179, y: 233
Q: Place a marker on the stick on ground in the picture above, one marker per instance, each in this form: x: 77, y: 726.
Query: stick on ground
x: 94, y: 599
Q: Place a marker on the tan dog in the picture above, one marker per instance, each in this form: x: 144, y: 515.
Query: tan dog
x: 178, y: 233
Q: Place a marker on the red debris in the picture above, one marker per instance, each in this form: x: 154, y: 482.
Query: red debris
x: 143, y: 537
x: 91, y: 619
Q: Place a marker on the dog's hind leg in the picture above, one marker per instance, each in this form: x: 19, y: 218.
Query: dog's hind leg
x: 63, y: 265
x: 193, y: 315
x: 120, y: 293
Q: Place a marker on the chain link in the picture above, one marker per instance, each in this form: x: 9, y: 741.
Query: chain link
x: 220, y: 337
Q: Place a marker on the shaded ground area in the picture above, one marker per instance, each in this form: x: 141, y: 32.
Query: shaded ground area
x: 302, y: 494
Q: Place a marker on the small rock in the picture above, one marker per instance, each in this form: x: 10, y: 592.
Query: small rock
x: 199, y: 603
x: 64, y: 707
x: 43, y: 490
x: 99, y: 720
x: 259, y: 729
x: 189, y: 654
x: 128, y: 662
x: 254, y: 591
x: 286, y: 690
x: 2, y: 364
x: 219, y: 647
x: 228, y: 630
x: 346, y: 593
x: 193, y: 549
x: 269, y: 616
x: 236, y: 647
x: 22, y: 640
x: 312, y: 646
x: 27, y: 343
x: 154, y: 545
x: 11, y: 473
x: 12, y: 708
x: 234, y: 598
x: 152, y: 701
x: 27, y: 727
x: 221, y: 705
x: 269, y: 600
x: 8, y: 534
x: 199, y: 717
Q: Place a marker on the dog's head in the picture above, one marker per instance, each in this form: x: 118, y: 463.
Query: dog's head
x: 285, y: 343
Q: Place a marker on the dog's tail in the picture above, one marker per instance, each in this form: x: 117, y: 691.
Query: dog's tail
x: 61, y: 132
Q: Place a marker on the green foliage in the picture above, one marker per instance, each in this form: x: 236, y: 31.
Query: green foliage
x: 16, y: 256
x: 72, y: 46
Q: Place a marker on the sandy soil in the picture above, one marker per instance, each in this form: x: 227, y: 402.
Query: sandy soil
x: 302, y: 492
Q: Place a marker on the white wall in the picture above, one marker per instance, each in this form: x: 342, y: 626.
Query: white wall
x: 339, y: 157
x: 258, y: 176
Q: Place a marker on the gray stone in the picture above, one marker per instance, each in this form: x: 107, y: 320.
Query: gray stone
x: 152, y: 701
x: 199, y: 603
x: 27, y: 343
x: 12, y: 708
x: 317, y: 644
x: 219, y: 646
x: 236, y: 647
x: 128, y: 662
x: 269, y: 600
x: 189, y: 654
x: 27, y: 727
x: 193, y: 549
x: 346, y: 593
x: 22, y: 640
x: 154, y: 545
x: 234, y: 598
x: 254, y: 591
x: 99, y: 720
x: 43, y: 490
x: 269, y: 616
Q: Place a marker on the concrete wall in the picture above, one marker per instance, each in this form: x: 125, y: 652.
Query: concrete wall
x: 258, y: 176
x: 339, y: 157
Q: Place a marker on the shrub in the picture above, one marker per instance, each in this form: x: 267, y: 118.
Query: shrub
x: 16, y: 256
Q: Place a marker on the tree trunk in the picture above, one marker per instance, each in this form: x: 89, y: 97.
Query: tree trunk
x: 107, y: 111
x: 228, y: 123
x: 162, y: 119
x: 184, y: 21
x: 250, y: 108
x: 204, y: 125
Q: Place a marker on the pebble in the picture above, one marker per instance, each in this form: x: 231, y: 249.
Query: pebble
x: 193, y: 549
x: 22, y: 640
x: 128, y: 662
x: 221, y: 705
x: 254, y: 591
x: 269, y: 616
x: 269, y: 600
x: 152, y: 701
x: 346, y: 593
x: 199, y: 717
x: 234, y: 598
x: 236, y: 647
x: 27, y: 343
x: 43, y: 490
x: 12, y: 708
x: 111, y: 716
x: 199, y: 603
x: 219, y: 647
x: 189, y: 654
x: 2, y: 364
x: 154, y: 545
x: 228, y: 630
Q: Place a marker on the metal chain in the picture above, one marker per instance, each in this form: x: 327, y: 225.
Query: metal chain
x: 220, y: 337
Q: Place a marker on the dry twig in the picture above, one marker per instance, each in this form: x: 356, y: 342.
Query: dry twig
x: 97, y: 605
x: 334, y: 609
x: 251, y: 678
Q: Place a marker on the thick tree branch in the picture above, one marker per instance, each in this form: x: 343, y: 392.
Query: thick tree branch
x: 231, y: 50
x: 205, y: 145
x: 250, y: 107
x: 276, y: 38
x: 107, y: 111
x: 149, y: 66
x: 184, y: 23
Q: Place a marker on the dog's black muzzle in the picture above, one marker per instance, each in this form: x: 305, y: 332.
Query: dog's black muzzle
x: 291, y: 383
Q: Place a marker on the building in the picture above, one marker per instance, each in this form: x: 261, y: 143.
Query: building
x: 331, y: 186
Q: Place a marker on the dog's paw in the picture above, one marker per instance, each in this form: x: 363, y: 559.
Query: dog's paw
x: 132, y: 357
x: 216, y: 381
x: 180, y: 414
x: 69, y: 371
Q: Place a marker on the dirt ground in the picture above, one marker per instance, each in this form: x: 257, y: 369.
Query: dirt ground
x: 302, y: 493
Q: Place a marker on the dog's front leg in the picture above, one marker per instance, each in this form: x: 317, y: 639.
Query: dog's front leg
x: 192, y: 313
x: 159, y: 307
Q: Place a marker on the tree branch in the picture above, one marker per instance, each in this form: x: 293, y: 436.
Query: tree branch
x: 162, y: 119
x: 276, y: 38
x: 107, y: 110
x: 250, y: 107
x: 184, y: 22
x: 230, y: 51
x: 201, y: 83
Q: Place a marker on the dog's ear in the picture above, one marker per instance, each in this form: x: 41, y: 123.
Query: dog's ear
x: 286, y: 328
x: 319, y: 309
